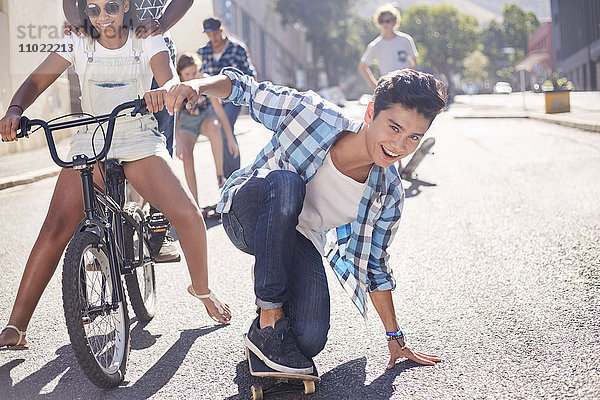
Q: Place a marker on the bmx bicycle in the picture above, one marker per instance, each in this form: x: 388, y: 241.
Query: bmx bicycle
x: 109, y: 248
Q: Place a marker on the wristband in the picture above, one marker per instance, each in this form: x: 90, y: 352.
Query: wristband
x: 398, y: 333
x: 16, y: 105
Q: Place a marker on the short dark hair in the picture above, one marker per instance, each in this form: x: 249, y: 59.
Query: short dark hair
x: 130, y: 18
x: 415, y: 90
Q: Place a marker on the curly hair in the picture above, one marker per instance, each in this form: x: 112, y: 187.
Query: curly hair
x: 415, y: 90
x: 130, y: 19
x: 387, y: 10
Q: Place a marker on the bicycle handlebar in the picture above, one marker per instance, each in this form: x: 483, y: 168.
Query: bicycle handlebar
x: 25, y: 125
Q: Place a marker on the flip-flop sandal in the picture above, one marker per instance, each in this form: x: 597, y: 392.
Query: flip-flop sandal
x: 215, y: 300
x: 16, y: 346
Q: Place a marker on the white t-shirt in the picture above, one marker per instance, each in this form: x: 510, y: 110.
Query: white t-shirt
x: 391, y: 54
x: 78, y: 57
x: 331, y: 200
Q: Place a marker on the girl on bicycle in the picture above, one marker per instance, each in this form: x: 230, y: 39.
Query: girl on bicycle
x: 113, y: 67
x: 206, y: 117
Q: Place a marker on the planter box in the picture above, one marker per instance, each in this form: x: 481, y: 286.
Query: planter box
x: 557, y: 102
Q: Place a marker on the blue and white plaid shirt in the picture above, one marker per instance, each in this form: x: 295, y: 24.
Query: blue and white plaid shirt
x: 305, y: 127
x: 234, y: 55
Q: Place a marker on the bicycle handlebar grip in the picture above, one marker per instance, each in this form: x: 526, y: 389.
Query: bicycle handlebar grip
x: 139, y: 107
x: 23, y: 127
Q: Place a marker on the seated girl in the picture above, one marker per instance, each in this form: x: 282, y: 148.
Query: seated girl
x: 113, y: 67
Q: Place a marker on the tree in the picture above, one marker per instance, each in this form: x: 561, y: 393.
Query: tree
x: 518, y: 26
x: 475, y: 67
x: 330, y: 27
x: 443, y: 35
x: 492, y: 40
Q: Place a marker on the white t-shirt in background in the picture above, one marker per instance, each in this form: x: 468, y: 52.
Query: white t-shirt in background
x: 391, y: 54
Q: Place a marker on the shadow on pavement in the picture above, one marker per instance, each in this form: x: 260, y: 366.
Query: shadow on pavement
x: 346, y: 381
x: 415, y: 187
x: 74, y: 384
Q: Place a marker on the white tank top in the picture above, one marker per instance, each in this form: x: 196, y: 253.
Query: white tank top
x: 331, y: 200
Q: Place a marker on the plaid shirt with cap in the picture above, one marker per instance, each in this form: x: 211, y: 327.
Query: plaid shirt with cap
x: 305, y: 127
x: 234, y: 55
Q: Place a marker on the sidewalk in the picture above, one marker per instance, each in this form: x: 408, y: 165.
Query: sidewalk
x: 585, y: 108
x: 31, y: 166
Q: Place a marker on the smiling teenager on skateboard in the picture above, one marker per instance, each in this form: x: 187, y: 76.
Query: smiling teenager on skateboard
x: 320, y: 171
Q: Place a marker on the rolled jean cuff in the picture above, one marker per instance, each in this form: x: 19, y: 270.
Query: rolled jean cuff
x: 267, y: 305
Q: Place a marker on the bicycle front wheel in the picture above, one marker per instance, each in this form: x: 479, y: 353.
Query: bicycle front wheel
x: 98, y: 326
x: 141, y: 284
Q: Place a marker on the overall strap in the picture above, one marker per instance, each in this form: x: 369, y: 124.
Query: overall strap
x: 136, y: 46
x: 90, y: 48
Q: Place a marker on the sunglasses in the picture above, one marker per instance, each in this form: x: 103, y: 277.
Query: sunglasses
x: 111, y: 8
x: 387, y: 21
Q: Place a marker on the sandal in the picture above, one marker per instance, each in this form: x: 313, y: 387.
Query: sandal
x: 212, y: 298
x: 16, y: 346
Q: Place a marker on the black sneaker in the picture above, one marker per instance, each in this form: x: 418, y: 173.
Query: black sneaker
x: 163, y: 249
x: 276, y: 347
x: 162, y: 245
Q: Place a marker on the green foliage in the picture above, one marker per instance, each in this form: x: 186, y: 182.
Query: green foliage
x: 557, y: 84
x: 475, y: 67
x: 336, y: 34
x: 518, y: 26
x: 444, y: 36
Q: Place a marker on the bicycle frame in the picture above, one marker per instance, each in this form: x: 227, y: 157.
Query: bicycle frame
x: 106, y: 221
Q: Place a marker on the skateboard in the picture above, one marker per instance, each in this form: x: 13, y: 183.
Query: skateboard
x: 284, y: 382
x: 210, y: 212
x: 415, y: 160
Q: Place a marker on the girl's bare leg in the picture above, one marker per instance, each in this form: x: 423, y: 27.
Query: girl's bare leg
x: 185, y: 150
x: 212, y: 130
x: 64, y: 214
x: 155, y: 180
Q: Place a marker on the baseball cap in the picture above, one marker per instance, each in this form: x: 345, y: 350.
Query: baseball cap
x: 211, y: 24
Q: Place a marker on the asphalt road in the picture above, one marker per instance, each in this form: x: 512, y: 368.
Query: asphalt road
x: 497, y: 265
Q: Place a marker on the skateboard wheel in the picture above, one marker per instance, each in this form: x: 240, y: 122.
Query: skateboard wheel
x: 309, y: 387
x: 257, y: 392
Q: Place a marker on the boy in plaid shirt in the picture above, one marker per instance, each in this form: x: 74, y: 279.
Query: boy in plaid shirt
x: 321, y: 171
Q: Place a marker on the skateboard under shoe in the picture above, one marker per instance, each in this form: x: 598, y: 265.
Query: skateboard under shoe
x: 408, y: 171
x: 282, y: 382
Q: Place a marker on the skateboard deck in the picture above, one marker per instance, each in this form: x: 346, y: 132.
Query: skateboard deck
x: 416, y: 159
x: 284, y: 382
x: 209, y: 212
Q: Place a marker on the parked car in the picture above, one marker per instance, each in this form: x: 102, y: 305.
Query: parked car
x: 502, y: 87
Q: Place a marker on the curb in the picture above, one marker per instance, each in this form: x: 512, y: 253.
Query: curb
x: 12, y: 181
x: 571, y: 123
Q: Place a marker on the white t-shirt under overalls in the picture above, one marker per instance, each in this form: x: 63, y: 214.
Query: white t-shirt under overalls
x: 109, y: 78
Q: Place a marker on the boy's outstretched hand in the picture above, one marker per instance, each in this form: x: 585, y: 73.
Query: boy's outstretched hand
x: 172, y: 99
x: 402, y: 351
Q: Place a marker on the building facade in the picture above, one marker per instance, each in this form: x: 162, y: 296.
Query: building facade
x: 280, y: 53
x: 539, y: 61
x: 576, y: 41
x: 28, y: 30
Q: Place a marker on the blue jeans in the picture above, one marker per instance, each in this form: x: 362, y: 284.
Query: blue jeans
x: 288, y: 269
x: 166, y: 123
x: 230, y: 163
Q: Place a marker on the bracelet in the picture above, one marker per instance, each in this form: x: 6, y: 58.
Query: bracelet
x: 398, y: 333
x: 16, y: 105
x: 397, y: 340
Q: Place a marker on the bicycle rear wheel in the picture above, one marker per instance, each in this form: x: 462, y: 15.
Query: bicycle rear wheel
x: 97, y: 325
x: 141, y: 284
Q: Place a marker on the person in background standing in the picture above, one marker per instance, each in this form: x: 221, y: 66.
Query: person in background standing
x: 392, y: 50
x: 222, y: 51
x: 155, y: 18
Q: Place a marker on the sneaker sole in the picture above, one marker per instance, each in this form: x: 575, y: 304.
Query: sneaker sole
x: 274, y: 365
x: 165, y: 259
